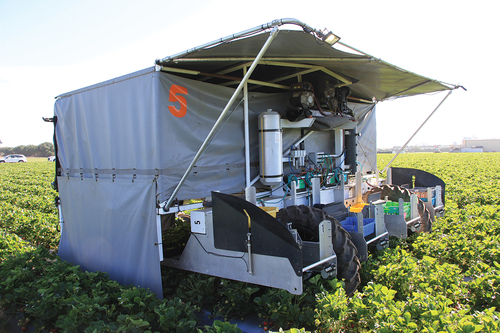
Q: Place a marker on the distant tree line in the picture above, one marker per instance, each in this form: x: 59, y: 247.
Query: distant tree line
x: 42, y: 150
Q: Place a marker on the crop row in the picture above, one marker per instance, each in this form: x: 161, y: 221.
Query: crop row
x: 448, y: 280
x: 27, y: 202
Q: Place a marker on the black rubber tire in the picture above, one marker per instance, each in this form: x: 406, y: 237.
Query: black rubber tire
x: 306, y: 220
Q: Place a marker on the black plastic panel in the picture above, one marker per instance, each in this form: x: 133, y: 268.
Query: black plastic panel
x: 269, y: 236
x: 404, y: 176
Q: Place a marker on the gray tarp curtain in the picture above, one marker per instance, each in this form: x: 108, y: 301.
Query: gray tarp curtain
x: 110, y: 226
x: 367, y: 141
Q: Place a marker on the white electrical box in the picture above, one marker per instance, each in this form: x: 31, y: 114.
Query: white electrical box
x: 199, y: 220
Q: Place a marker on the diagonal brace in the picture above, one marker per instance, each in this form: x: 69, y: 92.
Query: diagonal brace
x: 212, y: 132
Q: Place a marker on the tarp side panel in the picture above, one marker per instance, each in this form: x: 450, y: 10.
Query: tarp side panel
x: 367, y: 140
x: 222, y: 166
x: 112, y: 126
x: 182, y: 136
x: 111, y: 227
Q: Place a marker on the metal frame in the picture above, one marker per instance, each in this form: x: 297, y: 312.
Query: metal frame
x: 272, y: 83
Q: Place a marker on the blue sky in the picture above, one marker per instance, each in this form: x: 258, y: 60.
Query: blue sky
x: 51, y: 47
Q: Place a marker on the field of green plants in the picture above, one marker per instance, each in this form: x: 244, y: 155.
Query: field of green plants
x: 444, y: 281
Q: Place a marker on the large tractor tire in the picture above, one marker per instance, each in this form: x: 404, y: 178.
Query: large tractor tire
x: 394, y: 193
x: 306, y: 220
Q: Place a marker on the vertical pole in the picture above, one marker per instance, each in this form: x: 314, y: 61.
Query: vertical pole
x: 61, y: 219
x: 429, y: 195
x: 293, y: 192
x: 357, y: 188
x: 379, y: 219
x: 339, y: 147
x: 246, y: 123
x: 158, y: 233
x: 342, y: 185
x: 316, y: 191
x: 414, y: 207
x: 251, y: 194
x: 439, y: 202
x: 401, y: 207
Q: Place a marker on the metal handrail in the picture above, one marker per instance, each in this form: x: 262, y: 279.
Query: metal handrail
x: 378, y: 237
x: 319, y: 263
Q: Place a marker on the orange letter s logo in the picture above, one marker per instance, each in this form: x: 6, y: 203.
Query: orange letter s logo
x: 175, y: 90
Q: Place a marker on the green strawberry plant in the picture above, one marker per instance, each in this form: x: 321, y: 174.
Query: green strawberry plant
x: 444, y: 281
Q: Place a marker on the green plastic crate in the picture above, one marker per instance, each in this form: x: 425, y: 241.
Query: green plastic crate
x: 392, y: 208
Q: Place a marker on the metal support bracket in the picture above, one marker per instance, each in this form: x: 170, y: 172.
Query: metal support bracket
x: 326, y: 249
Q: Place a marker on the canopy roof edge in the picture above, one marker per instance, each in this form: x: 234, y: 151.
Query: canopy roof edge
x: 292, y: 57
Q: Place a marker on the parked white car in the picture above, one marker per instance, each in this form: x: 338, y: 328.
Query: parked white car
x: 13, y: 158
x: 51, y: 158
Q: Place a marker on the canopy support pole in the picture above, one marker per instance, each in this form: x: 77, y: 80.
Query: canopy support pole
x: 247, y: 132
x: 212, y: 132
x: 418, y: 129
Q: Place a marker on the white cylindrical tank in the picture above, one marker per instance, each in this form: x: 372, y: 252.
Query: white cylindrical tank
x: 270, y: 148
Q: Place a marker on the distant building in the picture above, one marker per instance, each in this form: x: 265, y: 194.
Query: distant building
x: 472, y: 150
x: 490, y: 145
